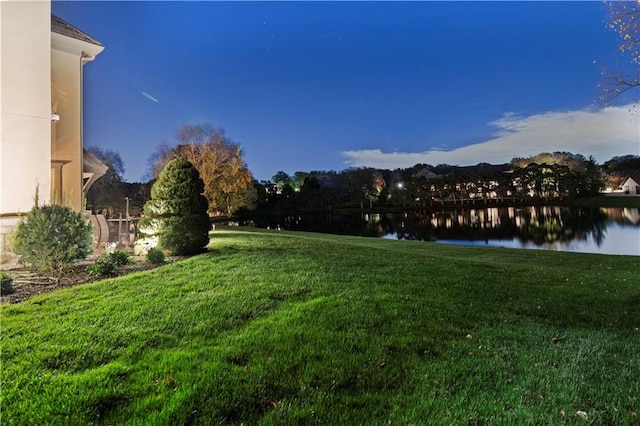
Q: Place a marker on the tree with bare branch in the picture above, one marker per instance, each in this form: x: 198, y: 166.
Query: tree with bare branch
x: 623, y: 18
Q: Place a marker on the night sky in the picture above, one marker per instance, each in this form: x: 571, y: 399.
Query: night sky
x: 329, y: 85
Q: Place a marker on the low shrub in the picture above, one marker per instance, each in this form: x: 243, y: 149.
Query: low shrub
x: 51, y: 237
x: 6, y: 283
x: 155, y: 256
x: 121, y: 258
x: 104, y: 266
x: 107, y: 264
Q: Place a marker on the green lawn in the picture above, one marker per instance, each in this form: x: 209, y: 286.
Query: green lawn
x: 294, y: 328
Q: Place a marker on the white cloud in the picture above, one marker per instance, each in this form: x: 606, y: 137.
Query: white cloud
x: 603, y: 133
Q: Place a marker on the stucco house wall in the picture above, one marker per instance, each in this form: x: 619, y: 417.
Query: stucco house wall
x: 25, y: 104
x: 41, y: 142
x: 68, y: 57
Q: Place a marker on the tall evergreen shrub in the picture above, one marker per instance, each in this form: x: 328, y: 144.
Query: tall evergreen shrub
x: 177, y: 213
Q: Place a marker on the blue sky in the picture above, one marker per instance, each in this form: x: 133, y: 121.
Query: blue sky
x: 329, y: 85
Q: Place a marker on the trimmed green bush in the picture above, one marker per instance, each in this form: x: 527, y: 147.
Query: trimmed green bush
x: 104, y: 266
x: 121, y: 258
x: 108, y: 263
x: 6, y: 283
x: 177, y: 215
x: 51, y: 237
x: 155, y: 256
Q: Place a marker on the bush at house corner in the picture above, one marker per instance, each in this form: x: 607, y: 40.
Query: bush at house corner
x: 50, y: 237
x: 176, y: 216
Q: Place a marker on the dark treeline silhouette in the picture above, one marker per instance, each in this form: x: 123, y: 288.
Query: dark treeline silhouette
x: 546, y: 177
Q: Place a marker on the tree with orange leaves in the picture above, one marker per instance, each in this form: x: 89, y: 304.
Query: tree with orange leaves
x: 228, y: 183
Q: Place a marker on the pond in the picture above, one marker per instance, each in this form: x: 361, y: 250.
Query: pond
x: 585, y: 230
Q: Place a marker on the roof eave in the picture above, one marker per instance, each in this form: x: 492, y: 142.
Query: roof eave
x: 73, y: 45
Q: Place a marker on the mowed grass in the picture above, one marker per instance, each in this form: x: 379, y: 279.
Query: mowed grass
x: 296, y: 328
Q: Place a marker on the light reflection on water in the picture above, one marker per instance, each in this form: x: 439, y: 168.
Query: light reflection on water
x: 622, y: 240
x: 587, y: 230
x: 604, y: 231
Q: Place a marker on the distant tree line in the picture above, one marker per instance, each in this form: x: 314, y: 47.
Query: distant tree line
x: 543, y: 177
x: 230, y: 187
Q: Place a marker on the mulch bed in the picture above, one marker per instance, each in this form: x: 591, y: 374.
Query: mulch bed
x: 27, y: 283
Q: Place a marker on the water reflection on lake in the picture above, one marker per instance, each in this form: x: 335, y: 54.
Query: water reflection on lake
x: 610, y: 231
x: 587, y: 230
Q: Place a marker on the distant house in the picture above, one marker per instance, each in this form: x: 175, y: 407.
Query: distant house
x: 631, y: 185
x: 41, y: 142
x: 425, y: 173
